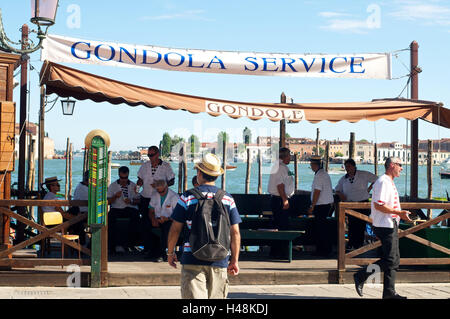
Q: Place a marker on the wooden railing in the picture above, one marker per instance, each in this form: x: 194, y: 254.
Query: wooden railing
x: 7, y: 250
x: 347, y: 208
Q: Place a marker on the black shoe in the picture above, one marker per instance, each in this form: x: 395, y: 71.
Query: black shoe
x: 395, y: 296
x: 358, y: 285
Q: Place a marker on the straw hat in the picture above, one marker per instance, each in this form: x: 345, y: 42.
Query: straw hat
x: 316, y: 159
x: 210, y: 165
x: 50, y: 180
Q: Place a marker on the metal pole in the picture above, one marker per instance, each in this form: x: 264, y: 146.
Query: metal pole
x: 20, y: 236
x: 283, y: 124
x: 247, y: 175
x: 224, y: 162
x: 430, y: 174
x: 414, y: 185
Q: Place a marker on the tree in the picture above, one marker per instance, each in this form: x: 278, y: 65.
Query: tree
x: 166, y: 145
x: 247, y: 136
x: 338, y: 154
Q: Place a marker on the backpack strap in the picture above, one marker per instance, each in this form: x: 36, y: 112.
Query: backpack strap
x: 219, y: 195
x: 196, y: 193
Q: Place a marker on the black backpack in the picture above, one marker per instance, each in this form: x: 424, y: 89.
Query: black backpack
x: 210, y: 231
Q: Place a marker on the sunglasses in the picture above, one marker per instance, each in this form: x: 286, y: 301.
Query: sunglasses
x: 151, y: 155
x: 398, y: 164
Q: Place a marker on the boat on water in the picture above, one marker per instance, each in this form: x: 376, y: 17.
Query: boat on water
x: 115, y: 165
x: 445, y: 169
x: 137, y: 162
x: 230, y: 167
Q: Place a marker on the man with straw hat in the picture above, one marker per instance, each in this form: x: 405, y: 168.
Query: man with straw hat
x: 202, y: 279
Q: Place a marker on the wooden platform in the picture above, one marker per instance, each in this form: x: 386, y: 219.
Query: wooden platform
x: 136, y: 271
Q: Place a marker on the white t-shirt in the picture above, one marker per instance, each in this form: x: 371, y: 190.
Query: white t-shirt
x: 280, y: 174
x: 162, y: 172
x: 384, y: 193
x: 322, y: 182
x: 355, y: 189
x: 81, y: 193
x: 127, y: 192
x: 49, y: 196
x: 167, y: 207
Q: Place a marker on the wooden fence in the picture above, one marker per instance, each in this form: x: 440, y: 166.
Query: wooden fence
x: 348, y: 208
x: 6, y: 258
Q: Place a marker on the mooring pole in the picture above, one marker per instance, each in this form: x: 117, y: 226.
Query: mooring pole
x: 414, y: 185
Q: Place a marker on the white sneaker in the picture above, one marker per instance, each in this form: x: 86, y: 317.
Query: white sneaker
x: 120, y: 249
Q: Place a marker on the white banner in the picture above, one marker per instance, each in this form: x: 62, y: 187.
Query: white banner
x: 361, y: 66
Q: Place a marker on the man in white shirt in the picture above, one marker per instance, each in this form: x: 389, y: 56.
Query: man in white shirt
x: 321, y: 205
x: 123, y: 200
x: 355, y: 187
x: 148, y: 173
x: 81, y: 193
x: 386, y: 213
x: 160, y: 210
x: 281, y: 189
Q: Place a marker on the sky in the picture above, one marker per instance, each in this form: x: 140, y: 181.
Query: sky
x: 333, y: 27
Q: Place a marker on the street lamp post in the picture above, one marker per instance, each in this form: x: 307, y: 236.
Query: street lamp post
x: 43, y: 14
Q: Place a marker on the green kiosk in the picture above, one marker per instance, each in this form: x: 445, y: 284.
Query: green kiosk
x: 97, y: 143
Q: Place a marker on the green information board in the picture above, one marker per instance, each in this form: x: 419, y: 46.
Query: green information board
x: 98, y: 175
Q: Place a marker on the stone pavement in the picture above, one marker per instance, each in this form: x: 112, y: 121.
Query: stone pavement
x: 326, y: 291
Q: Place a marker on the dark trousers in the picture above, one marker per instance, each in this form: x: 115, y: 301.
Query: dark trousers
x: 117, y: 238
x: 322, y: 229
x: 390, y: 259
x: 165, y: 228
x: 357, y: 228
x: 280, y: 221
x: 151, y: 241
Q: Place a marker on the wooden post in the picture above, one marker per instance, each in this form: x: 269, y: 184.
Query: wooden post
x: 70, y: 169
x: 85, y: 160
x: 318, y: 142
x: 180, y: 171
x: 375, y: 158
x: 247, y: 175
x: 108, y: 180
x: 66, y: 193
x: 259, y: 172
x: 185, y: 172
x: 430, y: 175
x: 414, y: 185
x: 224, y: 162
x: 327, y: 155
x: 41, y: 138
x: 341, y: 243
x: 295, y: 172
x: 283, y: 124
x: 352, y: 146
x: 31, y: 164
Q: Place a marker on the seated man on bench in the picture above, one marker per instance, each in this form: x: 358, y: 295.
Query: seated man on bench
x: 123, y: 200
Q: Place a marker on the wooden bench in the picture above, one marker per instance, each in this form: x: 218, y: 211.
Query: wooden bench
x: 259, y: 237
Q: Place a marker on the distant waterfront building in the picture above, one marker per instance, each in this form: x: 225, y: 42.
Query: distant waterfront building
x: 394, y: 149
x: 32, y: 130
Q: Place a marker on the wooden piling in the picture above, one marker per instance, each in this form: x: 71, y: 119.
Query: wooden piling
x: 430, y: 175
x: 247, y: 175
x: 180, y: 170
x: 66, y: 181
x: 327, y: 155
x: 352, y: 146
x: 375, y: 158
x: 295, y: 172
x: 31, y: 164
x: 224, y: 162
x: 70, y: 169
x: 185, y: 172
x: 318, y: 142
x: 259, y: 172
